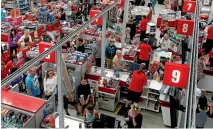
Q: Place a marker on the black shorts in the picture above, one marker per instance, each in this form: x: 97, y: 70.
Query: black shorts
x: 66, y: 102
x: 134, y: 96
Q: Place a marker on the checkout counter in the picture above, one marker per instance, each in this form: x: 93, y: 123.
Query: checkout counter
x: 109, y: 94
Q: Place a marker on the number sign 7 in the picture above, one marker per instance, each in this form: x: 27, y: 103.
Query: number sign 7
x: 189, y: 6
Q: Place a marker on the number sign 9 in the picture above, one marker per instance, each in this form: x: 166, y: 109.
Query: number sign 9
x: 176, y: 75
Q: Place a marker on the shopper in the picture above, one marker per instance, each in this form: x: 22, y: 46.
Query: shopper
x: 32, y: 83
x: 211, y: 59
x: 90, y: 114
x: 164, y: 28
x: 166, y: 3
x: 26, y: 35
x: 3, y: 71
x: 62, y: 15
x: 45, y: 37
x: 202, y: 112
x: 85, y: 8
x: 153, y: 6
x: 145, y: 50
x: 50, y: 83
x: 165, y: 42
x: 13, y: 64
x: 117, y: 61
x: 136, y: 85
x: 201, y: 67
x: 143, y: 25
x: 13, y: 41
x: 69, y: 97
x: 96, y: 52
x: 80, y: 45
x: 134, y: 118
x: 84, y: 94
x: 132, y: 27
x: 209, y: 42
x: 110, y: 53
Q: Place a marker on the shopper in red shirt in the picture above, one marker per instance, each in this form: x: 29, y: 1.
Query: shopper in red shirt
x: 209, y: 41
x: 138, y: 81
x: 13, y: 64
x: 143, y: 25
x: 145, y: 50
x: 3, y: 71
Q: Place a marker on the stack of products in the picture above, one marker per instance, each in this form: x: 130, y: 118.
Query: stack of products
x: 45, y: 16
x: 11, y: 119
x: 29, y: 25
x: 5, y: 27
x: 33, y: 52
x: 75, y: 57
x: 167, y: 14
x: 140, y: 10
x: 174, y: 37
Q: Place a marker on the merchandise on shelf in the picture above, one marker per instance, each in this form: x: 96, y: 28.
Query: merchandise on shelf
x: 75, y: 57
x: 174, y: 37
x: 13, y: 119
x: 140, y: 10
x: 45, y: 16
x: 167, y: 14
x: 5, y: 27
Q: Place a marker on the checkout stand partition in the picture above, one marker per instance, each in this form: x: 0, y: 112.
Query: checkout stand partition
x: 26, y: 104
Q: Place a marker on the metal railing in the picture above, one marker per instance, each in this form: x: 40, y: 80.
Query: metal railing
x: 35, y: 60
x: 192, y: 82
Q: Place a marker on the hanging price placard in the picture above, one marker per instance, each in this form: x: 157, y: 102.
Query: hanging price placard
x: 185, y: 27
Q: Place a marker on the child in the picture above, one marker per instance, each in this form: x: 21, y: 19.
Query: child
x: 211, y: 59
x: 90, y: 114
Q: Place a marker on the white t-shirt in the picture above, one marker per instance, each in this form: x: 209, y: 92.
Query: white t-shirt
x: 50, y: 84
x: 165, y: 44
x: 21, y: 40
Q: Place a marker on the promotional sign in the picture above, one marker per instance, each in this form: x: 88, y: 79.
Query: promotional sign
x: 43, y: 46
x: 185, y: 27
x: 121, y: 3
x: 176, y: 75
x: 189, y: 6
x: 92, y: 14
x: 207, y: 2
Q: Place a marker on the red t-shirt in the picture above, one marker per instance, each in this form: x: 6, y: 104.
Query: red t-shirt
x: 138, y: 81
x: 210, y: 33
x: 145, y: 49
x: 211, y: 54
x: 3, y: 73
x: 10, y: 65
x: 143, y: 24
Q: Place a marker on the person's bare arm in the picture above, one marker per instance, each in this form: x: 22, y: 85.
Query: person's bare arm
x: 29, y: 91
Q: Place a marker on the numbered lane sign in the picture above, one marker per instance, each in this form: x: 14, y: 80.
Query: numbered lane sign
x: 43, y: 46
x: 176, y: 75
x: 94, y: 13
x: 189, y: 6
x: 185, y: 27
x: 121, y: 3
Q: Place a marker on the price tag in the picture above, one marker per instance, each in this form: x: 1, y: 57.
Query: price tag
x: 176, y: 75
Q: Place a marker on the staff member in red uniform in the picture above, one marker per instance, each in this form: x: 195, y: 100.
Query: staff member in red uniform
x: 137, y: 83
x: 3, y: 71
x: 14, y: 64
x: 143, y: 24
x: 209, y: 41
x: 145, y: 50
